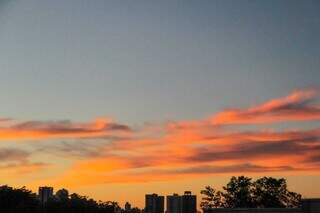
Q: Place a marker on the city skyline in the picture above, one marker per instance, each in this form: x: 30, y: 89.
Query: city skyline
x: 113, y: 98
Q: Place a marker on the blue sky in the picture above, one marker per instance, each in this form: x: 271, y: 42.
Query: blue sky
x: 142, y: 61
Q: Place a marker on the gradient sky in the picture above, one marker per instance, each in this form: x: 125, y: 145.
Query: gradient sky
x: 115, y: 99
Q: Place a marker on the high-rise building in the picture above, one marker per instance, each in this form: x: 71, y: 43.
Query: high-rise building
x: 174, y: 203
x: 45, y: 193
x: 188, y: 203
x: 154, y: 203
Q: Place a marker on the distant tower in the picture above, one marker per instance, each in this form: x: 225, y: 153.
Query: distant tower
x: 174, y: 203
x: 127, y: 207
x: 188, y: 203
x: 154, y: 203
x: 45, y: 193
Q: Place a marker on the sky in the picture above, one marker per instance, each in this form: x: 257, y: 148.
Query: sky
x: 115, y: 99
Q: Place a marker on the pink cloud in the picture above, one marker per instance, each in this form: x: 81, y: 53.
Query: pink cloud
x: 295, y: 107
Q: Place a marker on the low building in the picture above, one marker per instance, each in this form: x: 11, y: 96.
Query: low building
x: 308, y: 206
x: 45, y: 193
x: 311, y: 205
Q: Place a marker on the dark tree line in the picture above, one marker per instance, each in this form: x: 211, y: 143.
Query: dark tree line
x: 240, y: 192
x: 243, y: 192
x: 22, y: 200
x: 18, y: 200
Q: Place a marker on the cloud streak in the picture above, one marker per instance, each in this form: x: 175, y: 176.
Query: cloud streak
x: 61, y: 129
x: 161, y: 159
x: 16, y: 161
x: 295, y: 107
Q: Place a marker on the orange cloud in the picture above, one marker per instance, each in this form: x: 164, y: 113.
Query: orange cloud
x: 61, y: 129
x: 169, y: 157
x: 295, y: 107
x: 184, y: 149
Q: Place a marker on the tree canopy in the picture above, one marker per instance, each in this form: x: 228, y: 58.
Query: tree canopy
x: 242, y: 192
x: 22, y: 200
x: 19, y: 200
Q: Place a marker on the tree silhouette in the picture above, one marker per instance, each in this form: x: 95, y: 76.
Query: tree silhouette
x: 62, y: 195
x: 134, y: 210
x: 270, y: 192
x: 241, y: 192
x: 17, y: 200
x: 211, y: 199
x: 238, y: 193
x: 22, y: 200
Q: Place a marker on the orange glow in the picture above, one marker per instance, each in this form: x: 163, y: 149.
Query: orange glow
x: 187, y: 150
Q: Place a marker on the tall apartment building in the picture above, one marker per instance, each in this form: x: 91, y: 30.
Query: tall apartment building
x: 45, y: 193
x: 174, y: 203
x: 186, y: 203
x: 154, y: 203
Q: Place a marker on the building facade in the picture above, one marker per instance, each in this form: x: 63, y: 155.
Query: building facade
x: 308, y: 206
x: 186, y: 203
x: 154, y: 203
x: 174, y: 203
x: 45, y: 193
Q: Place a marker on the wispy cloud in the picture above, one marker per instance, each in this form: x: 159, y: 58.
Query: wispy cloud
x: 169, y: 157
x: 61, y: 129
x: 295, y: 107
x: 17, y: 161
x: 11, y: 154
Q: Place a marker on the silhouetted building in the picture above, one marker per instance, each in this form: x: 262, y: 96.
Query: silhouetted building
x: 311, y: 205
x: 307, y: 206
x: 45, y: 193
x: 127, y: 207
x: 174, y: 203
x: 154, y: 203
x: 188, y: 203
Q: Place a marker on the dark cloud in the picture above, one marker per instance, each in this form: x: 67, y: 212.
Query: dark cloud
x: 17, y: 160
x: 121, y: 127
x: 217, y: 169
x: 76, y: 149
x: 315, y: 159
x: 11, y: 154
x: 23, y: 168
x: 232, y: 168
x: 66, y: 126
x: 101, y: 127
x: 251, y: 150
x: 5, y: 119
